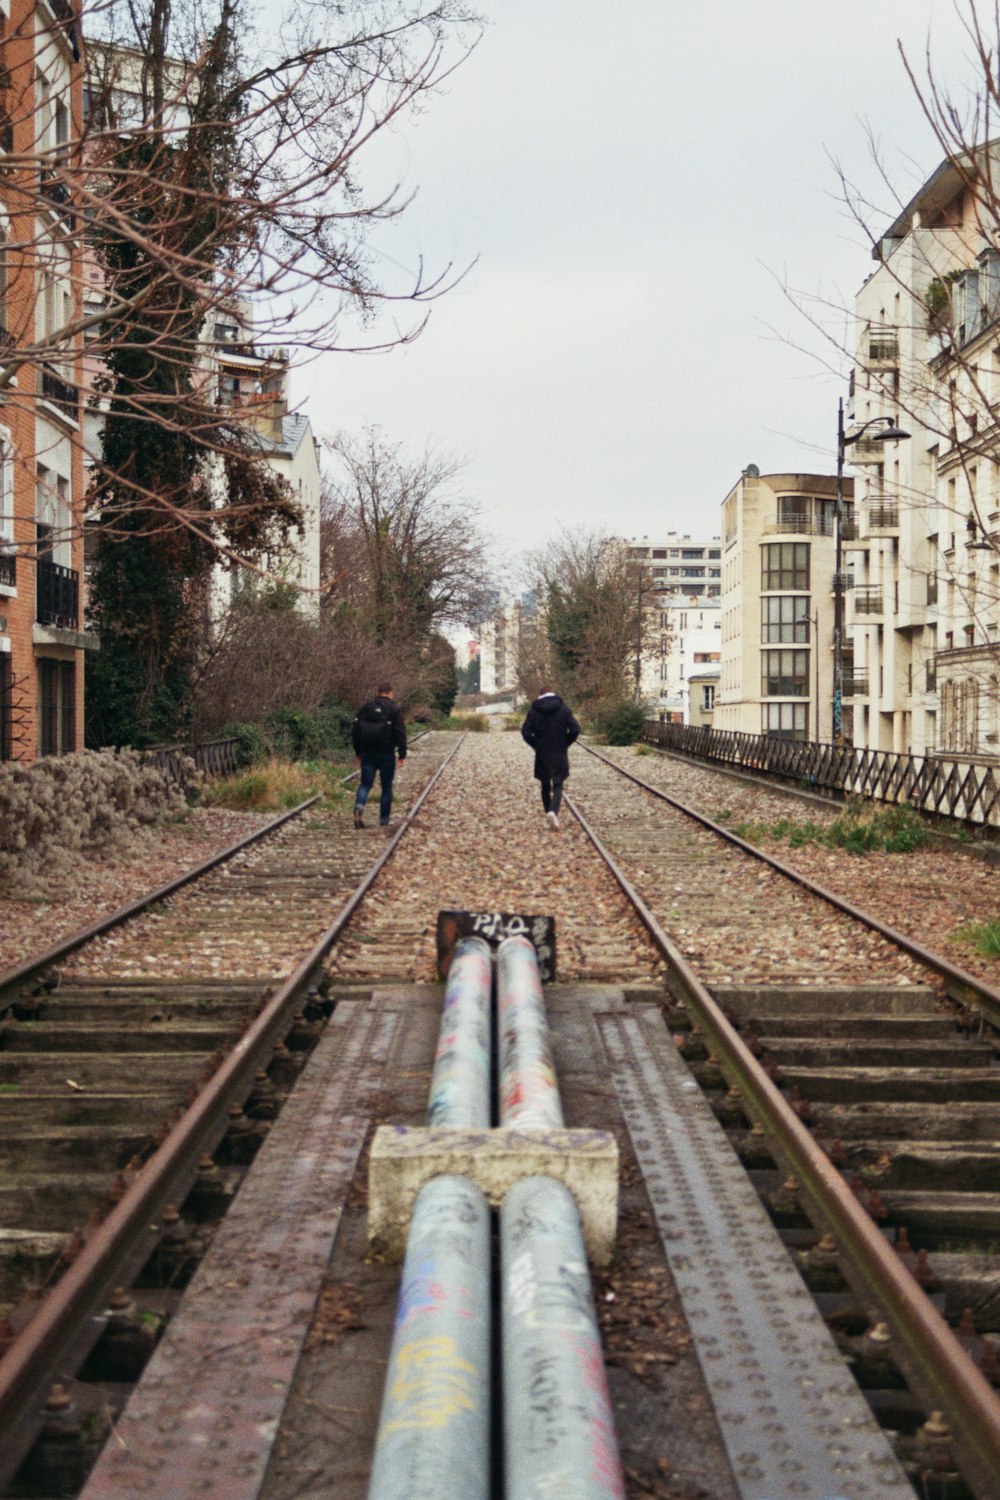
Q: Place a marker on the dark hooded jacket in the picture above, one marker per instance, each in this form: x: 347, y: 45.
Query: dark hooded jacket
x: 550, y: 729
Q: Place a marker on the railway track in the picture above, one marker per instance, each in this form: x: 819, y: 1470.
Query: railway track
x: 895, y: 1072
x: 880, y: 1118
x: 127, y: 1052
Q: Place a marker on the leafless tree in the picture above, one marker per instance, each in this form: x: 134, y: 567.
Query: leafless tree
x: 598, y: 606
x: 403, y: 549
x: 215, y: 179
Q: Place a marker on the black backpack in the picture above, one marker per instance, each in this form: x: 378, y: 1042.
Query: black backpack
x: 374, y: 724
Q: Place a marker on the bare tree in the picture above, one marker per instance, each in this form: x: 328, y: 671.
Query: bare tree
x: 217, y: 167
x: 597, y: 605
x: 403, y: 549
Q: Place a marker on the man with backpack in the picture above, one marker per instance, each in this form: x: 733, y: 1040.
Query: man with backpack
x: 378, y: 735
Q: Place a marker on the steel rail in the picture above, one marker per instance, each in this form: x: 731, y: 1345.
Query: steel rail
x: 936, y: 1365
x: 21, y: 973
x: 69, y: 1320
x: 973, y: 990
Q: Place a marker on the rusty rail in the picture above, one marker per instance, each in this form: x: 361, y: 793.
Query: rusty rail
x: 70, y: 1319
x: 934, y: 1362
x: 20, y: 974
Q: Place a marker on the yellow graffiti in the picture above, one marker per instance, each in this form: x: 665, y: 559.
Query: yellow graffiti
x: 430, y: 1384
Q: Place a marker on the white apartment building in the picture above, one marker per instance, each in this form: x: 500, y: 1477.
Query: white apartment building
x: 502, y: 637
x: 685, y: 642
x: 679, y: 565
x: 924, y: 614
x: 776, y: 638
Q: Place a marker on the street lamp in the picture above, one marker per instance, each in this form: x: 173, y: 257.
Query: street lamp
x: 889, y: 434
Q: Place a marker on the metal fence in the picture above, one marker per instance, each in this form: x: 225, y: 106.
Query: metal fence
x: 950, y: 787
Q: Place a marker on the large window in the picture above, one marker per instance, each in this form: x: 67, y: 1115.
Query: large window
x: 785, y: 721
x: 784, y: 674
x: 785, y: 565
x: 57, y: 707
x: 784, y: 617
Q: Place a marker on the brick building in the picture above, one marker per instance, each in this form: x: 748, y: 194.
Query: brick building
x: 41, y: 458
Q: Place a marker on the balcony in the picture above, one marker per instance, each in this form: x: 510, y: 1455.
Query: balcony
x: 883, y: 516
x: 8, y: 569
x: 843, y: 582
x: 932, y: 589
x: 849, y: 531
x: 866, y: 451
x: 930, y: 677
x: 883, y: 349
x: 868, y: 603
x: 855, y: 684
x: 57, y: 595
x: 800, y: 524
x: 59, y: 393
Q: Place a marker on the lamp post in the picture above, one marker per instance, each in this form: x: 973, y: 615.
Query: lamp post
x: 889, y: 434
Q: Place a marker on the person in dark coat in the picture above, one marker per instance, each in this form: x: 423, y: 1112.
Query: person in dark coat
x: 550, y: 729
x: 378, y: 735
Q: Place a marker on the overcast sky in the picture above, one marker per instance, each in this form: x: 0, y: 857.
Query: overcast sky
x: 636, y: 178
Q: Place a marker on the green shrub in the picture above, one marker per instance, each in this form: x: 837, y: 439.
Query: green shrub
x: 473, y: 723
x: 251, y: 746
x: 982, y: 937
x: 622, y: 723
x: 863, y: 828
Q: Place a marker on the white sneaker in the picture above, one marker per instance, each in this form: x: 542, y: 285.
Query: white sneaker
x: 552, y: 821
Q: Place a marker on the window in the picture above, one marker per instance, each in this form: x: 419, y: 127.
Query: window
x: 784, y: 674
x: 57, y: 707
x: 784, y: 721
x: 696, y: 554
x: 659, y: 551
x: 785, y: 565
x: 784, y: 617
x: 708, y: 697
x: 6, y: 487
x: 714, y: 553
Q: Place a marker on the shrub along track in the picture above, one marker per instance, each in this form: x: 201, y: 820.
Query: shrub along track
x: 110, y: 1034
x: 887, y: 1051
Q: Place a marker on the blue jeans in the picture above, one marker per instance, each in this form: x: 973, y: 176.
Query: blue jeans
x: 385, y: 765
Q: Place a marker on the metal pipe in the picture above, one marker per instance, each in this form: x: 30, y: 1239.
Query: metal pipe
x: 529, y: 1091
x: 460, y: 1087
x: 559, y: 1436
x: 434, y: 1429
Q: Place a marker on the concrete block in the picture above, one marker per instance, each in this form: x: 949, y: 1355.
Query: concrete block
x: 404, y: 1157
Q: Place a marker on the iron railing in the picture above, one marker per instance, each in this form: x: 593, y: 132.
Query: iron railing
x: 855, y: 684
x: 8, y: 569
x: 883, y: 517
x: 867, y: 602
x: 934, y: 783
x: 57, y: 595
x: 58, y: 392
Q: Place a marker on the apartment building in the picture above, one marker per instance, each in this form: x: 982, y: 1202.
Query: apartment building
x: 252, y: 383
x: 504, y: 636
x: 41, y: 471
x: 924, y: 613
x: 678, y: 565
x: 776, y: 637
x: 685, y: 641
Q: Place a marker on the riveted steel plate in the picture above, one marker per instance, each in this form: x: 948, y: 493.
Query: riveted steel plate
x: 794, y: 1424
x: 203, y: 1418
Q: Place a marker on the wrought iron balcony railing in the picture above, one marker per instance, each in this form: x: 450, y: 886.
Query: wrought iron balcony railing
x: 883, y: 517
x: 57, y: 595
x: 8, y: 568
x: 59, y: 392
x: 855, y: 684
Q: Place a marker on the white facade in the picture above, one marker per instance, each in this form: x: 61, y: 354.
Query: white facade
x: 925, y: 615
x: 688, y: 641
x: 679, y: 565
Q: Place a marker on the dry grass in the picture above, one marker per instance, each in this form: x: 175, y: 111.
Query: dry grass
x: 276, y: 786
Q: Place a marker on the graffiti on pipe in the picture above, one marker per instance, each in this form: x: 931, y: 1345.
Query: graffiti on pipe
x: 494, y: 926
x: 432, y: 1384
